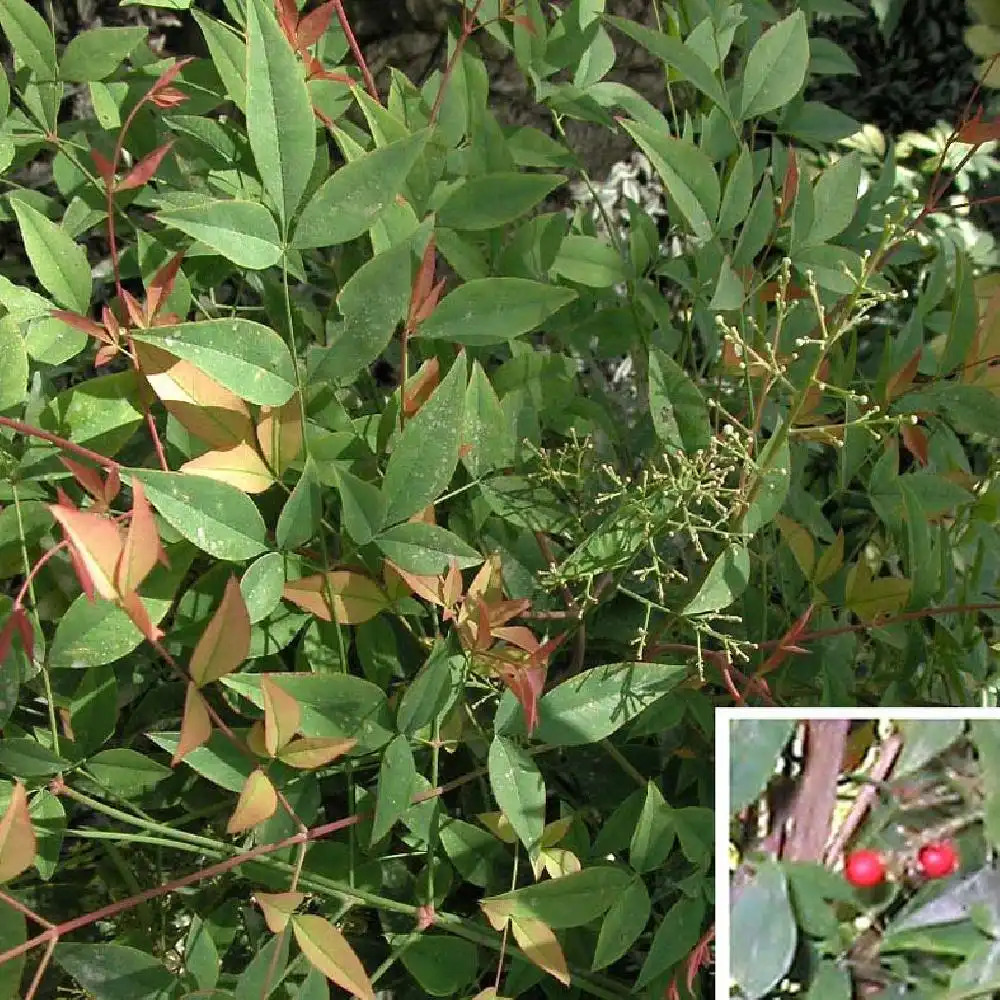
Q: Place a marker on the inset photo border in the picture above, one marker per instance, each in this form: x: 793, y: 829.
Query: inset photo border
x: 861, y: 853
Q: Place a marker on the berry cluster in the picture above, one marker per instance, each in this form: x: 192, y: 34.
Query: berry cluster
x: 867, y: 868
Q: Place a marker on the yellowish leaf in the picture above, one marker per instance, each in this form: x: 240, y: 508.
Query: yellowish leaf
x: 279, y: 432
x: 800, y: 542
x: 311, y: 752
x: 356, y: 598
x: 17, y: 836
x: 278, y: 907
x: 871, y: 599
x: 239, y: 466
x: 327, y: 949
x: 540, y: 946
x: 498, y: 824
x: 208, y: 410
x: 830, y: 560
x: 225, y: 643
x: 257, y: 802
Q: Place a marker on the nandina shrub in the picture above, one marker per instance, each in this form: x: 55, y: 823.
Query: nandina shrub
x: 308, y: 679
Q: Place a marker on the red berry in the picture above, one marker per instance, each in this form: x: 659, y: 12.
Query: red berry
x: 938, y: 859
x: 864, y: 869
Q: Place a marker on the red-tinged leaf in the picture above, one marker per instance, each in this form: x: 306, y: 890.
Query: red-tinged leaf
x: 451, y: 589
x: 163, y: 284
x: 105, y: 168
x: 420, y: 385
x: 769, y: 292
x: 425, y: 916
x: 113, y: 485
x: 257, y: 802
x: 27, y: 633
x: 111, y: 324
x: 976, y: 131
x: 915, y: 441
x: 7, y: 635
x: 98, y: 543
x: 105, y: 355
x: 17, y: 836
x: 278, y: 907
x: 427, y: 587
x: 430, y: 303
x: 196, y: 725
x: 327, y: 949
x: 790, y: 185
x: 786, y: 644
x: 88, y: 477
x: 539, y: 944
x: 526, y: 684
x: 318, y: 73
x: 288, y: 19
x: 82, y: 323
x: 169, y: 97
x: 902, y: 379
x: 517, y: 635
x: 132, y: 606
x: 144, y: 170
x: 225, y: 643
x: 136, y: 314
x: 313, y: 26
x: 168, y: 76
x: 282, y: 715
x: 422, y: 282
x: 142, y: 548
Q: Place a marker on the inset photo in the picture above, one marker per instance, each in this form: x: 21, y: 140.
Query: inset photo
x: 862, y: 848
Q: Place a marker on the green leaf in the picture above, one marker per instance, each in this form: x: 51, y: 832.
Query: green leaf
x: 688, y: 175
x: 425, y: 454
x: 762, y: 949
x: 594, y: 704
x: 623, y: 923
x: 831, y: 982
x: 488, y: 311
x: 774, y: 484
x: 242, y: 231
x: 568, y: 901
x: 519, y: 790
x: 729, y: 291
x: 654, y: 834
x: 229, y: 54
x: 351, y: 201
x: 262, y: 584
x: 116, y: 972
x: 126, y: 772
x: 679, y: 412
x: 218, y: 761
x: 97, y: 53
x: 280, y: 122
x: 373, y: 302
x: 739, y: 193
x: 425, y: 549
x: 303, y: 510
x: 725, y: 581
x: 427, y: 695
x: 13, y: 366
x: 59, y: 262
x: 362, y: 506
x: 397, y: 778
x: 757, y: 228
x: 755, y: 746
x: 922, y: 569
x: 675, y: 937
x: 590, y: 261
x: 94, y: 709
x: 492, y: 200
x: 29, y: 37
x: 247, y: 358
x: 26, y: 758
x: 216, y: 517
x: 334, y: 706
x: 835, y: 198
x: 677, y: 55
x: 776, y: 66
x: 13, y: 932
x: 486, y: 433
x: 441, y: 964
